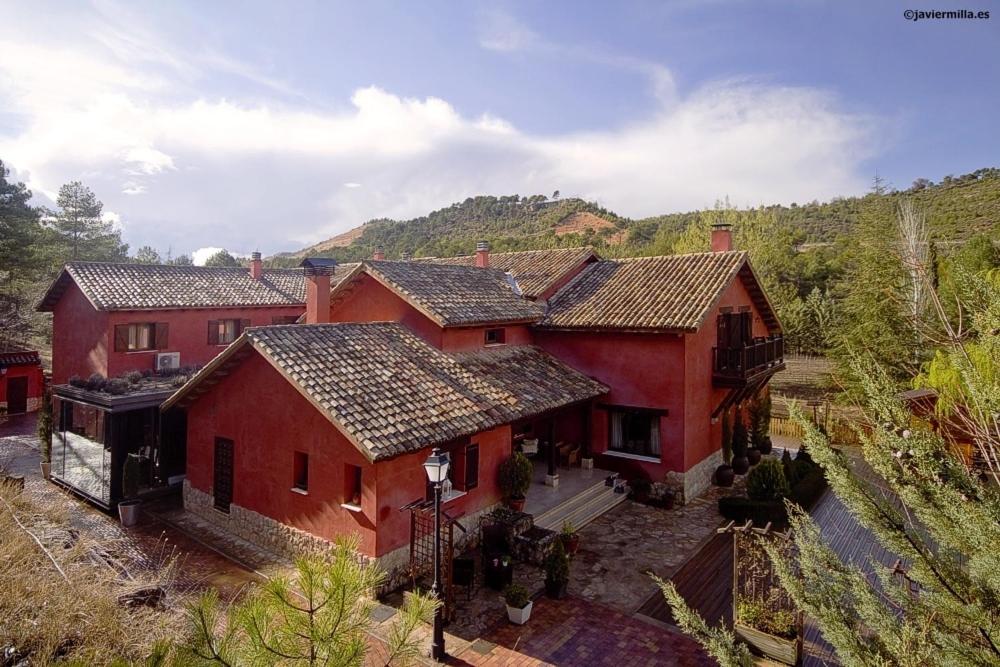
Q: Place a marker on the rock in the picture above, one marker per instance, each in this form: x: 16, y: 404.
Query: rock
x: 144, y: 597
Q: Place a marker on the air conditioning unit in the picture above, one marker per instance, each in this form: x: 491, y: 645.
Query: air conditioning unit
x: 167, y: 361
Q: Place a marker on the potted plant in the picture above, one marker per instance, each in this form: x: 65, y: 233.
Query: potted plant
x: 128, y: 507
x: 570, y: 538
x: 639, y: 489
x: 515, y: 480
x: 556, y: 571
x: 724, y: 474
x: 44, y: 431
x: 499, y: 572
x: 518, y: 604
x: 740, y: 461
x: 772, y: 632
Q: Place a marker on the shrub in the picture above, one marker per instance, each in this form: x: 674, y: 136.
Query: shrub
x: 130, y: 476
x: 740, y: 438
x: 516, y: 596
x: 515, y: 476
x: 116, y: 387
x: 77, y: 381
x: 44, y: 428
x: 132, y: 377
x: 767, y: 481
x: 568, y: 530
x: 764, y: 617
x: 727, y: 439
x: 805, y: 494
x: 640, y: 486
x: 96, y: 382
x: 557, y: 563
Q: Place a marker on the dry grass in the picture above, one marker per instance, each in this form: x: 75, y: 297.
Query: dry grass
x: 59, y: 593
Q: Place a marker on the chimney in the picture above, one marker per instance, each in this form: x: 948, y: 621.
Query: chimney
x: 317, y: 273
x: 379, y: 253
x: 722, y: 237
x: 482, y: 254
x: 256, y: 266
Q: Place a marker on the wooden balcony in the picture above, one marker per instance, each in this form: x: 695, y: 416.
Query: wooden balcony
x: 750, y: 363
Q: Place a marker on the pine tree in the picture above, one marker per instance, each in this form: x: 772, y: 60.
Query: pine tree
x: 147, y: 255
x: 221, y: 258
x: 81, y: 230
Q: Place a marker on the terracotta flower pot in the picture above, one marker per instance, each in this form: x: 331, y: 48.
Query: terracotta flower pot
x: 572, y: 543
x: 516, y: 503
x: 724, y: 475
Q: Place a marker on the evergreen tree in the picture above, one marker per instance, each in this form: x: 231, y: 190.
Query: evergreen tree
x: 147, y: 255
x: 222, y: 258
x: 318, y: 616
x: 81, y: 230
x: 181, y: 260
x: 20, y: 231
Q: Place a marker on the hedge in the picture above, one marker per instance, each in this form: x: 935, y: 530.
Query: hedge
x: 805, y: 494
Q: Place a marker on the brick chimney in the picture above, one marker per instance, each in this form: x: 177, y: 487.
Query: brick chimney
x: 482, y: 254
x: 722, y: 237
x: 379, y: 253
x: 317, y: 274
x: 256, y: 266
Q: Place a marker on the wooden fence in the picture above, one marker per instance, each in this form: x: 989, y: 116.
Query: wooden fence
x: 840, y: 430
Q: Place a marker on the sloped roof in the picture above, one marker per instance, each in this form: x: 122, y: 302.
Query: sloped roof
x: 452, y: 295
x: 389, y: 391
x: 112, y: 286
x: 674, y: 293
x: 14, y: 355
x: 535, y: 270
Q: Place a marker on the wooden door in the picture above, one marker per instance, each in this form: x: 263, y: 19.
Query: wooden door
x: 17, y: 395
x: 223, y: 484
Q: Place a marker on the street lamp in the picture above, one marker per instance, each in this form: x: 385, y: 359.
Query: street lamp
x: 436, y: 466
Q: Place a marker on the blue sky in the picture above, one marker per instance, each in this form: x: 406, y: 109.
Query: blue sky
x: 273, y: 125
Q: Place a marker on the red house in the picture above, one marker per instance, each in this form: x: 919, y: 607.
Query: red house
x: 625, y: 365
x: 121, y: 334
x: 22, y: 380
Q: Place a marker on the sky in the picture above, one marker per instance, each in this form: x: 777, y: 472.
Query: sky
x: 270, y: 126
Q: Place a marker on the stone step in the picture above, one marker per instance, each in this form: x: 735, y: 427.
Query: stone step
x: 582, y: 508
x: 567, y: 505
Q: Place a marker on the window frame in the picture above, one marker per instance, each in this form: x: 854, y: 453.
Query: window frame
x: 500, y: 334
x: 652, y: 450
x: 217, y: 327
x: 127, y: 332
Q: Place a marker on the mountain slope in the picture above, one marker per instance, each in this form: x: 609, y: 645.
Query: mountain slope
x: 956, y: 208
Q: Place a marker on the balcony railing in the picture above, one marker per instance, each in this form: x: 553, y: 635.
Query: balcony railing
x: 740, y: 363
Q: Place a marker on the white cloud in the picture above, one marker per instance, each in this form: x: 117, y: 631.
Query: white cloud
x: 273, y: 175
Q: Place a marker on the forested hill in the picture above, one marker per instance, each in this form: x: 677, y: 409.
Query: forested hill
x: 956, y: 208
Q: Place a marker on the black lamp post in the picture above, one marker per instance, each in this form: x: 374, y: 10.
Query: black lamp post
x: 437, y: 471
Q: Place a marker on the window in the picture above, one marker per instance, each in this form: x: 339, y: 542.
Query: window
x: 301, y: 472
x: 284, y: 319
x: 224, y: 332
x: 496, y: 336
x: 735, y: 330
x: 140, y: 336
x: 635, y: 432
x: 352, y: 486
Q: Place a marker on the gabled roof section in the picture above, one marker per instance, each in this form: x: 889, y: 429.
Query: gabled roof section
x: 111, y: 286
x: 670, y: 293
x: 386, y: 389
x: 535, y: 270
x: 451, y: 295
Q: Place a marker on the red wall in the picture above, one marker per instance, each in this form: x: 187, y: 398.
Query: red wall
x: 82, y: 336
x: 467, y: 339
x: 703, y: 437
x: 370, y: 301
x: 36, y: 380
x: 643, y: 370
x: 265, y: 438
x: 402, y: 480
x: 282, y: 422
x: 188, y: 333
x: 79, y: 337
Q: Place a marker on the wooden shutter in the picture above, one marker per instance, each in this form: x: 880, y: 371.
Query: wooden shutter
x: 161, y: 338
x: 213, y: 332
x: 244, y: 324
x: 471, y: 467
x: 121, y: 338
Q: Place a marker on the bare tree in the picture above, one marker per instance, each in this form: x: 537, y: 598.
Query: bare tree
x: 914, y: 241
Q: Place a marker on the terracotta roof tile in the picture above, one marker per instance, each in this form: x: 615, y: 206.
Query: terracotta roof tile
x: 154, y: 286
x: 535, y: 270
x: 456, y: 295
x: 674, y: 292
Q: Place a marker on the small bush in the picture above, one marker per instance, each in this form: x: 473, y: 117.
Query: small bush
x: 767, y: 481
x: 96, y: 382
x: 557, y: 563
x: 77, y: 381
x: 116, y: 387
x: 740, y: 438
x: 640, y: 486
x: 516, y: 596
x: 515, y: 476
x: 132, y: 377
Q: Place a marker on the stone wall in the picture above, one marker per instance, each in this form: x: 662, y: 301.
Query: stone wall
x: 290, y: 542
x: 688, y: 486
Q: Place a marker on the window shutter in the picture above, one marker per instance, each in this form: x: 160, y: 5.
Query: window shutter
x: 471, y: 467
x: 121, y: 338
x: 244, y: 324
x: 213, y: 332
x: 161, y: 336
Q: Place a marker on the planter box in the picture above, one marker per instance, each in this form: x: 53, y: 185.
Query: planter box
x: 787, y: 651
x: 519, y: 616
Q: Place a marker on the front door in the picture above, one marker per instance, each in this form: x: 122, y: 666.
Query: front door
x: 223, y: 473
x: 17, y: 395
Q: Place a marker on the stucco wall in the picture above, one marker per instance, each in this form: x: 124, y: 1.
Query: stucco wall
x: 79, y: 337
x: 370, y: 301
x: 36, y: 384
x: 187, y: 333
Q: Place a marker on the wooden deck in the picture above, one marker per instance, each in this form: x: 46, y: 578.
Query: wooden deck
x: 706, y: 582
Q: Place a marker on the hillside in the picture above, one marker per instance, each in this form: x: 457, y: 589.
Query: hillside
x: 956, y: 208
